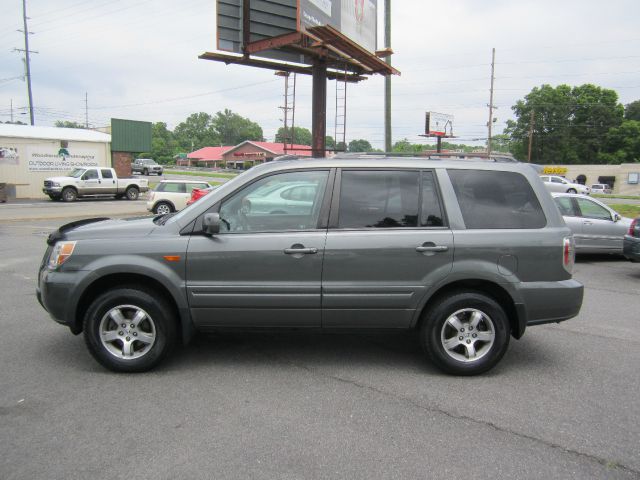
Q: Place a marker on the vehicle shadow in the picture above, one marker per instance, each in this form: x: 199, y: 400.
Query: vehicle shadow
x: 600, y: 257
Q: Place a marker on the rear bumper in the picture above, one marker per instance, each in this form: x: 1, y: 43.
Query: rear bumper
x: 551, y: 302
x: 631, y: 248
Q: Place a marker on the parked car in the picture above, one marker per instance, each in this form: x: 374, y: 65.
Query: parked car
x: 562, y: 185
x: 93, y: 182
x: 600, y: 188
x: 464, y: 253
x: 146, y: 166
x: 596, y: 227
x: 172, y: 195
x: 198, y: 193
x: 631, y: 242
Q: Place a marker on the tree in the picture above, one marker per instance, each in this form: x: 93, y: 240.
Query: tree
x: 68, y: 124
x: 302, y: 136
x: 632, y: 111
x: 360, y: 145
x: 233, y: 129
x: 501, y: 143
x: 569, y: 123
x: 622, y: 143
x: 163, y: 144
x: 196, y: 132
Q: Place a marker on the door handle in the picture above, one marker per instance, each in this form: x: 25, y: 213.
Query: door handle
x: 299, y: 250
x: 587, y: 222
x: 431, y: 247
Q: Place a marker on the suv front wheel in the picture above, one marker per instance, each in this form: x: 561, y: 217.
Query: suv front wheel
x: 129, y: 330
x: 465, y: 333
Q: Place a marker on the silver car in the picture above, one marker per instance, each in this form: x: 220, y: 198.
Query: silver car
x: 596, y: 228
x: 558, y: 184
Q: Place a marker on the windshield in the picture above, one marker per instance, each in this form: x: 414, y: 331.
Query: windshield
x: 76, y: 172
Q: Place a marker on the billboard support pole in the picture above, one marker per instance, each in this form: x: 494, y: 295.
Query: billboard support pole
x: 246, y: 26
x: 439, y: 144
x: 387, y: 78
x: 319, y: 109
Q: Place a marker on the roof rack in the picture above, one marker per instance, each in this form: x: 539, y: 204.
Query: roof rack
x: 433, y: 156
x: 288, y: 157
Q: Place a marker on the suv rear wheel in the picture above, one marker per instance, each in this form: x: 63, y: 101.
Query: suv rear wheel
x: 465, y: 333
x: 129, y: 330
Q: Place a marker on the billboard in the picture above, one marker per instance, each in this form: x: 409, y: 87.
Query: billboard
x: 438, y: 124
x: 357, y: 19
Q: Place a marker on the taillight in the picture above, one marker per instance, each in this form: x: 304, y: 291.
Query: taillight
x: 632, y: 227
x: 568, y: 254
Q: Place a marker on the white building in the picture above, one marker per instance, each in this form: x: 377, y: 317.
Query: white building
x: 29, y: 154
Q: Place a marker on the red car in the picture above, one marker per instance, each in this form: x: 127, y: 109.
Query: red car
x: 197, y: 194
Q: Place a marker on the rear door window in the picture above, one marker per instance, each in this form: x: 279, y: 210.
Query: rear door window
x: 379, y: 199
x: 494, y: 199
x: 565, y: 205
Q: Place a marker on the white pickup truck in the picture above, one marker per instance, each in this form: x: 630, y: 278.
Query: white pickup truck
x: 89, y: 182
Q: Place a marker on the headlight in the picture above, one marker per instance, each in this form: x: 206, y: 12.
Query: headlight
x: 61, y: 253
x: 55, y: 184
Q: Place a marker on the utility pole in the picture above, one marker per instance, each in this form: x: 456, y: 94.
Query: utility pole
x: 533, y: 112
x: 490, y: 123
x: 86, y: 110
x: 387, y: 78
x: 11, y: 105
x: 27, y: 61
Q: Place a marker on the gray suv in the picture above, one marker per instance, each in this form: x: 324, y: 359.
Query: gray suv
x: 465, y: 253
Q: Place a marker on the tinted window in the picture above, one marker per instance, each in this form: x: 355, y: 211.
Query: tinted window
x: 591, y: 209
x: 262, y: 206
x: 379, y: 199
x: 431, y: 213
x: 490, y: 199
x: 565, y: 205
x: 90, y: 175
x: 170, y: 187
x: 106, y: 174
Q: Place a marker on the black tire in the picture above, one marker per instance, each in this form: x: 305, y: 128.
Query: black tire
x: 145, y: 172
x: 457, y: 360
x: 132, y: 193
x: 163, y: 208
x: 129, y: 300
x: 69, y: 194
x: 572, y: 190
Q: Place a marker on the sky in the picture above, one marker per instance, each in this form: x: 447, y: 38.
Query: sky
x: 138, y: 59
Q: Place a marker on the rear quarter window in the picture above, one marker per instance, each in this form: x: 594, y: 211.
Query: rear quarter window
x: 494, y: 199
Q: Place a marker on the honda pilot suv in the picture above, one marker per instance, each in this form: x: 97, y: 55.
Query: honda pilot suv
x: 466, y: 253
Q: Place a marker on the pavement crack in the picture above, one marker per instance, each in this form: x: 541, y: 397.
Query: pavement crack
x: 434, y: 409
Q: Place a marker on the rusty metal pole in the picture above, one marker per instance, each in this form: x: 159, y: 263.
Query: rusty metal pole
x: 319, y: 109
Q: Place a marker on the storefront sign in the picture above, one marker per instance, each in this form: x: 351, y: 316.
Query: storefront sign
x: 9, y: 155
x: 47, y: 159
x: 553, y: 170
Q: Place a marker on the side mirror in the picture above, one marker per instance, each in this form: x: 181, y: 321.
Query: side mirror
x: 616, y: 217
x: 211, y: 223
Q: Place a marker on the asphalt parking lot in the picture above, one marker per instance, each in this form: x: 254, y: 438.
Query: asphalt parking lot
x: 563, y: 403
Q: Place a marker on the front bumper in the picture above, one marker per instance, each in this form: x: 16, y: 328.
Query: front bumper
x: 631, y: 248
x: 54, y: 292
x: 551, y: 302
x: 52, y: 190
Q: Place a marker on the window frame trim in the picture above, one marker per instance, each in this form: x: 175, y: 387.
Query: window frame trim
x: 334, y: 215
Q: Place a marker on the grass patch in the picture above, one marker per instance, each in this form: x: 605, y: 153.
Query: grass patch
x: 611, y: 195
x: 202, y: 174
x: 626, y: 210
